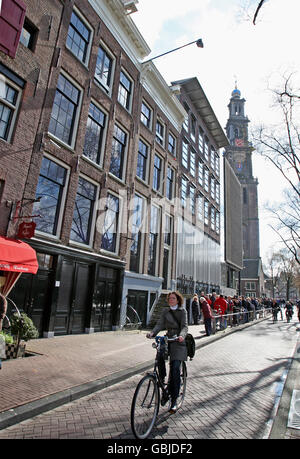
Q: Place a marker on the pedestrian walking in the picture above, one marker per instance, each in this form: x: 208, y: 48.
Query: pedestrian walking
x: 207, y: 315
x: 195, y: 309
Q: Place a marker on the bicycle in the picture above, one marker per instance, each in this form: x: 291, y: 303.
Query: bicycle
x: 147, y: 397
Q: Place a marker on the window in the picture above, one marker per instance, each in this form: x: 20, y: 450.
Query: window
x: 118, y: 152
x: 217, y: 164
x: 172, y: 144
x: 83, y: 211
x: 51, y: 188
x: 217, y: 222
x: 159, y: 133
x: 79, y: 38
x: 146, y: 115
x: 111, y: 224
x: 142, y: 160
x: 217, y: 193
x: 193, y: 128
x: 28, y: 35
x: 206, y: 212
x: 200, y: 173
x: 193, y: 162
x: 200, y: 141
x: 200, y: 207
x: 94, y: 134
x: 157, y: 173
x: 65, y: 111
x: 213, y: 219
x: 250, y: 286
x: 213, y: 188
x: 168, y: 230
x: 10, y: 95
x: 184, y: 185
x: 206, y: 150
x: 154, y: 240
x: 170, y: 183
x: 104, y: 69
x: 185, y: 154
x: 192, y: 199
x: 186, y: 119
x: 206, y: 180
x: 125, y: 91
x: 137, y: 234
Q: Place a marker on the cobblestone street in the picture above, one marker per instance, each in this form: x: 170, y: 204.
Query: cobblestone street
x: 231, y: 391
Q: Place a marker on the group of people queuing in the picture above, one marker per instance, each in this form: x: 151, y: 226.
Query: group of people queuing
x: 232, y: 311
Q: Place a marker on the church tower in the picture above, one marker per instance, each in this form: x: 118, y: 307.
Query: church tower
x: 239, y: 155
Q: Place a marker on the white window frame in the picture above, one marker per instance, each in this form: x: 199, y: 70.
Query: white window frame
x: 98, y: 81
x: 120, y: 198
x: 93, y: 222
x: 129, y: 93
x: 144, y: 117
x: 77, y: 117
x: 89, y: 47
x: 14, y: 108
x: 63, y: 199
x: 160, y: 138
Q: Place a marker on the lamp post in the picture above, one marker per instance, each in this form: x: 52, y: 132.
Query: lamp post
x: 199, y: 43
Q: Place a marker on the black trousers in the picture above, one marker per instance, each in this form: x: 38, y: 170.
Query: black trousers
x: 174, y: 382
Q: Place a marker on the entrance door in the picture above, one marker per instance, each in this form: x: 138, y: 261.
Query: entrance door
x: 31, y: 294
x: 138, y: 299
x: 107, y: 290
x: 73, y: 297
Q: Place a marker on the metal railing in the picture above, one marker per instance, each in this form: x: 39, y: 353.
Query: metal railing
x: 133, y: 320
x: 234, y: 319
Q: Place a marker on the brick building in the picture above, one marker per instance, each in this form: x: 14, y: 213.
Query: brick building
x: 90, y: 147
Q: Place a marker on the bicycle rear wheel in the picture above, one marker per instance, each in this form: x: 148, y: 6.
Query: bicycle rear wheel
x: 144, y: 407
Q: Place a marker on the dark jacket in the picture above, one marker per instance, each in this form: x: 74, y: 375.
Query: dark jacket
x: 167, y: 322
x: 206, y: 310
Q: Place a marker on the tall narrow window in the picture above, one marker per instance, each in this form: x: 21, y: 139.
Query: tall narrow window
x: 125, y: 91
x: 83, y: 211
x: 193, y: 162
x: 111, y: 223
x: 185, y: 154
x: 118, y: 152
x: 200, y: 173
x: 192, y: 198
x: 104, y: 68
x: 141, y: 170
x: 94, y: 135
x: 172, y: 145
x: 170, y: 183
x: 50, y: 188
x: 153, y: 240
x: 9, y: 101
x: 160, y: 133
x: 157, y: 173
x: 146, y: 115
x: 78, y: 38
x: 184, y: 185
x: 64, y: 111
x: 137, y: 234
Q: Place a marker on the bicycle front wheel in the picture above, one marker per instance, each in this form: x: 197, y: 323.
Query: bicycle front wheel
x: 144, y: 407
x: 183, y: 377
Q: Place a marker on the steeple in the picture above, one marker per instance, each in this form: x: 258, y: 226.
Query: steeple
x: 239, y: 154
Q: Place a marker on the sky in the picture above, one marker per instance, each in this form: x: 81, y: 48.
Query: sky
x: 255, y: 56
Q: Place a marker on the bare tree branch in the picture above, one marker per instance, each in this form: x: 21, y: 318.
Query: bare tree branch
x: 257, y: 10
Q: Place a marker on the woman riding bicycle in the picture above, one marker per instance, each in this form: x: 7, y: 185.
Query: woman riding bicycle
x: 174, y: 320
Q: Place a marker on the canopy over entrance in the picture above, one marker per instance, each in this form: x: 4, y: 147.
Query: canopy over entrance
x: 16, y: 257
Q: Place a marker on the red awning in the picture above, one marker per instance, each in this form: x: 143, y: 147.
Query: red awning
x: 17, y: 256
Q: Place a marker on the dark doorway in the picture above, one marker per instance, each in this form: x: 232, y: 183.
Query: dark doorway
x: 73, y: 297
x: 138, y: 299
x: 105, y: 302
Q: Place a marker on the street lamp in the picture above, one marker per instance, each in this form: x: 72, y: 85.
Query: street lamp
x: 199, y: 43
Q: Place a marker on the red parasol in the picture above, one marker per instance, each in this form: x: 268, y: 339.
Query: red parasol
x: 16, y: 257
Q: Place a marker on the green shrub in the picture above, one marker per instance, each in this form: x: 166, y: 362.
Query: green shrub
x: 23, y: 328
x: 7, y: 338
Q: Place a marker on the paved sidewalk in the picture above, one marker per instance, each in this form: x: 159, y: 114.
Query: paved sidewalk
x: 65, y: 368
